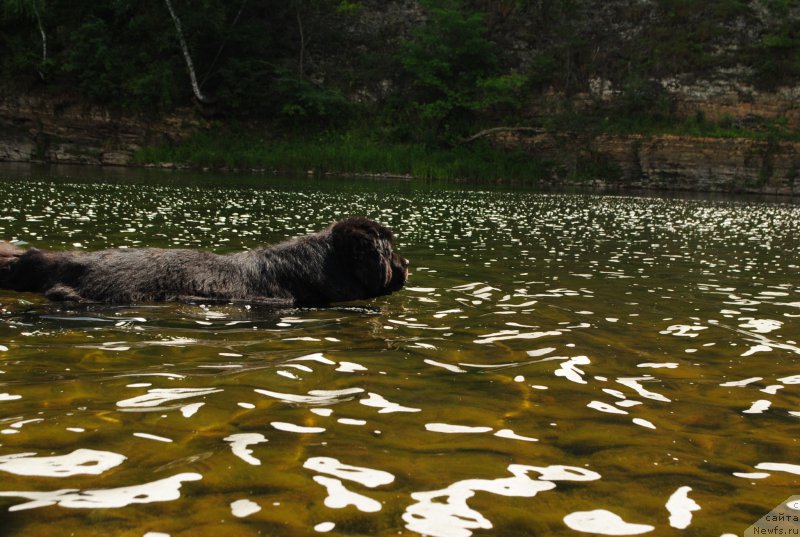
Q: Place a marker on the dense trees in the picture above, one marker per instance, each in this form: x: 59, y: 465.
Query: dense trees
x: 453, y: 69
x: 434, y: 68
x: 134, y: 54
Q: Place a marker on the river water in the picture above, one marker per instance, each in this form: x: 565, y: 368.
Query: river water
x: 559, y: 364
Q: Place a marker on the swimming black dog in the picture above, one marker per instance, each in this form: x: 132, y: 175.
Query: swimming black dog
x: 352, y: 259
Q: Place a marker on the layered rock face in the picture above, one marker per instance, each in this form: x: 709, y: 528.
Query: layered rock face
x: 40, y: 129
x: 703, y: 164
x: 666, y: 162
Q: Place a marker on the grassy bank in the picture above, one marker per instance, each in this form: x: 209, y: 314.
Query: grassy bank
x: 347, y: 154
x: 356, y: 152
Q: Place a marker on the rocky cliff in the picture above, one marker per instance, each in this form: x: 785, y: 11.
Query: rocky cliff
x: 702, y: 164
x: 64, y: 130
x: 666, y: 162
x: 35, y: 129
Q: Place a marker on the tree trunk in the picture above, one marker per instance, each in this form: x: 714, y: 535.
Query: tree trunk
x: 493, y: 130
x: 301, y: 66
x: 44, y: 37
x: 186, y: 56
x: 221, y: 47
x: 41, y: 31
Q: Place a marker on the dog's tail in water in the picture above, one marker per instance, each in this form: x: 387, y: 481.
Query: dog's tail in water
x: 9, y: 255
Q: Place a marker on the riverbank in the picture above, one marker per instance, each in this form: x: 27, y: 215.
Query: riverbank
x: 700, y: 156
x: 624, y: 161
x: 348, y: 154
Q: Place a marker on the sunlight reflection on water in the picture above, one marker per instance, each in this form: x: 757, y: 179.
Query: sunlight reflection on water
x: 558, y: 364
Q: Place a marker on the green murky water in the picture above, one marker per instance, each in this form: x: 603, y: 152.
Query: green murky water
x: 558, y: 365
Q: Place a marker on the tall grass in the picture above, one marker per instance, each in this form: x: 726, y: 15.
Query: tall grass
x: 358, y: 153
x: 346, y: 154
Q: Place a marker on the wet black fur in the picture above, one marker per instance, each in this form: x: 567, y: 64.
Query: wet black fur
x: 352, y: 259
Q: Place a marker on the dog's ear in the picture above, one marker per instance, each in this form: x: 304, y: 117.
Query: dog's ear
x: 365, y: 246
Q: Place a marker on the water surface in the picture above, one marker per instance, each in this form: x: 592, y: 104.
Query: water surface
x: 558, y: 364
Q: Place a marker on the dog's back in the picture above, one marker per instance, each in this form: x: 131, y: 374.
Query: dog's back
x: 350, y: 260
x: 130, y: 275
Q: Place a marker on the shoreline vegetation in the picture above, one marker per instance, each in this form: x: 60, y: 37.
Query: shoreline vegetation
x: 351, y: 152
x: 344, y: 154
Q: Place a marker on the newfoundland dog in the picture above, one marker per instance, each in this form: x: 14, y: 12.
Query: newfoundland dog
x: 352, y: 259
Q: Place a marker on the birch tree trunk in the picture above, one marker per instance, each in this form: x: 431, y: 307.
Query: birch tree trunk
x: 31, y: 8
x: 186, y: 56
x: 41, y: 31
x: 301, y: 67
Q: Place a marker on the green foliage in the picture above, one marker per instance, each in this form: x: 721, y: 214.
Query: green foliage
x: 348, y: 152
x: 776, y: 57
x: 326, y: 65
x: 348, y: 8
x: 688, y: 36
x: 113, y: 54
x: 126, y: 54
x: 239, y: 80
x: 16, y: 52
x: 643, y: 100
x: 543, y: 71
x: 453, y: 69
x: 89, y: 61
x: 304, y: 100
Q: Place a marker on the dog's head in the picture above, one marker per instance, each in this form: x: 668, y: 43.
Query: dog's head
x: 368, y: 248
